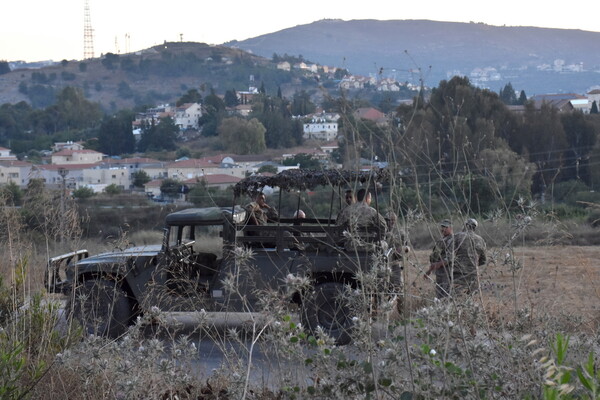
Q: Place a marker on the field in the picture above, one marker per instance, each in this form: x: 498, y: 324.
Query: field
x: 560, y: 282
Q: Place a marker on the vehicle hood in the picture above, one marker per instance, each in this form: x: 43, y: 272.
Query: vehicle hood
x: 121, y: 255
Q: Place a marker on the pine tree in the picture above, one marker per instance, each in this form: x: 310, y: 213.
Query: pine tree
x: 594, y: 109
x: 522, y: 98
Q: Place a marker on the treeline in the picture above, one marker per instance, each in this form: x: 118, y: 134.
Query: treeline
x: 465, y: 147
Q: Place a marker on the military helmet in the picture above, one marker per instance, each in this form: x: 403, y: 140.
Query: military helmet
x: 471, y: 223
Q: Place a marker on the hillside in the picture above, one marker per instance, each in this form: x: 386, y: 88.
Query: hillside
x: 538, y: 60
x: 160, y: 74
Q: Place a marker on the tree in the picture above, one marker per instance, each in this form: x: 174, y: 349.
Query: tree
x: 581, y: 138
x: 522, y: 98
x: 160, y: 136
x: 544, y: 139
x: 306, y: 161
x: 230, y: 98
x: 73, y: 111
x: 84, y: 192
x: 170, y: 188
x: 112, y: 190
x: 4, y: 67
x: 110, y: 61
x: 11, y: 194
x: 140, y: 178
x: 594, y: 109
x: 115, y: 135
x: 301, y: 104
x: 507, y: 94
x: 214, y: 112
x: 241, y: 136
x: 192, y: 96
x: 267, y: 168
x: 274, y: 113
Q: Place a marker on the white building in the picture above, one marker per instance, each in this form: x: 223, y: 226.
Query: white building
x: 76, y: 157
x: 187, y: 116
x: 15, y: 171
x: 5, y: 154
x: 322, y: 127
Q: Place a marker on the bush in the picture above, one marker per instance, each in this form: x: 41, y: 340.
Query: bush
x: 83, y: 193
x: 112, y: 190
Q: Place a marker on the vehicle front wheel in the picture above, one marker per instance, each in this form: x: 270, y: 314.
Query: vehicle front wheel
x: 326, y: 306
x: 101, y: 307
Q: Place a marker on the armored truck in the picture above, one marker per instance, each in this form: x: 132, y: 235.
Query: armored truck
x: 213, y: 259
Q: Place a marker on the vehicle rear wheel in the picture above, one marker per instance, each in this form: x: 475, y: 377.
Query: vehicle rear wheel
x: 326, y: 307
x: 101, y: 307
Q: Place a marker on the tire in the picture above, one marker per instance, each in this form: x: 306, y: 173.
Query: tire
x: 101, y: 307
x: 326, y: 307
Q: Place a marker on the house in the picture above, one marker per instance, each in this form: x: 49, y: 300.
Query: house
x: 594, y: 96
x: 152, y: 115
x: 187, y: 116
x: 562, y: 102
x: 322, y: 127
x: 5, y: 154
x: 68, y: 145
x: 371, y: 114
x: 73, y: 174
x: 15, y: 171
x: 76, y: 157
x: 329, y: 147
x: 152, y: 188
x: 284, y: 65
x: 99, y: 178
x: 219, y: 181
x: 190, y: 168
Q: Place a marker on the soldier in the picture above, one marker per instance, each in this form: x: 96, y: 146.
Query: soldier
x: 469, y: 254
x: 441, y: 259
x: 259, y: 212
x: 349, y: 197
x: 361, y: 213
x: 358, y: 216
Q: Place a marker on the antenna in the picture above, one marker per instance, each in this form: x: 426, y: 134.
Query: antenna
x: 127, y: 43
x: 88, y: 32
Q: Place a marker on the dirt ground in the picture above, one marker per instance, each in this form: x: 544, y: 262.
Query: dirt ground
x: 554, y: 282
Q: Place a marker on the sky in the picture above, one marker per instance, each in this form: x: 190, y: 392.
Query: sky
x: 38, y: 30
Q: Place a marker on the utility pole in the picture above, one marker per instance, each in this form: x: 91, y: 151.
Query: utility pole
x: 63, y: 174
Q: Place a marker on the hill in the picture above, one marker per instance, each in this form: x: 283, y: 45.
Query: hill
x: 538, y: 60
x: 160, y: 74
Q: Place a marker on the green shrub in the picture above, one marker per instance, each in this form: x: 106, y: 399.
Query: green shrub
x: 112, y: 190
x: 83, y: 193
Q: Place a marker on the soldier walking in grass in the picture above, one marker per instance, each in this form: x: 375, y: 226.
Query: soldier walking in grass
x: 441, y: 260
x: 469, y: 254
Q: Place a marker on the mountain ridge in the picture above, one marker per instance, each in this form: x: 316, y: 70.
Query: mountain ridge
x: 525, y: 56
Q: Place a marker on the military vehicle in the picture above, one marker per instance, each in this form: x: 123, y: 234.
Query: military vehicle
x: 212, y: 259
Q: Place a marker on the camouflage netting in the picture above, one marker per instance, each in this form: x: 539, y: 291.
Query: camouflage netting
x: 302, y: 179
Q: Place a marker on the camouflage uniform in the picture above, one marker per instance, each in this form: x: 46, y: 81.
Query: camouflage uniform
x: 469, y: 254
x: 262, y: 215
x: 443, y: 250
x: 356, y: 216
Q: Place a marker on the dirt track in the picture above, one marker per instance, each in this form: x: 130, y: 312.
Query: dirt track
x: 553, y: 281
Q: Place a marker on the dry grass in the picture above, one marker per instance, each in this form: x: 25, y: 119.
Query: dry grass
x: 558, y: 281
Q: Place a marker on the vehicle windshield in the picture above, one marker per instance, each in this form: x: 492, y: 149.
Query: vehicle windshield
x: 202, y: 238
